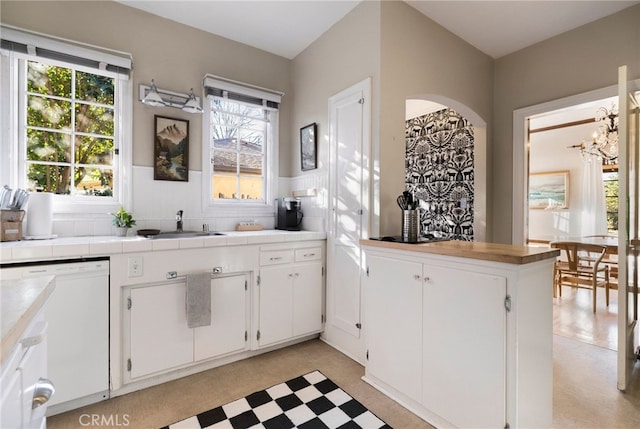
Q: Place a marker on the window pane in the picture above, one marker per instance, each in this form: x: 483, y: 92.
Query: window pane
x: 225, y: 161
x: 92, y: 150
x: 48, y: 146
x: 91, y: 87
x: 49, y: 178
x: 94, y: 119
x: 251, y: 187
x: 50, y: 80
x: 228, y: 142
x: 94, y: 182
x: 224, y: 187
x: 48, y: 113
x: 236, y: 108
x: 251, y: 163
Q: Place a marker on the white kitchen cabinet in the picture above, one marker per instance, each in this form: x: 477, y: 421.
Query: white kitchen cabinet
x: 290, y: 289
x: 160, y: 339
x: 394, y: 323
x: 159, y: 336
x: 462, y: 343
x: 11, y: 391
x: 229, y: 309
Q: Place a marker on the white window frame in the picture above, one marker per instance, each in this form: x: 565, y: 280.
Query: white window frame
x: 239, y: 207
x: 13, y: 109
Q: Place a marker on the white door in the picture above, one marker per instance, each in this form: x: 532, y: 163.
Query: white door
x: 226, y: 334
x: 464, y: 328
x: 160, y: 337
x: 628, y: 230
x: 349, y: 117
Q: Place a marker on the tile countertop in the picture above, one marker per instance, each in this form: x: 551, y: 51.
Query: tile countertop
x: 20, y: 301
x: 506, y: 253
x: 91, y: 246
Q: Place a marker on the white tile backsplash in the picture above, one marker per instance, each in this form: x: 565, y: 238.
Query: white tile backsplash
x: 155, y: 203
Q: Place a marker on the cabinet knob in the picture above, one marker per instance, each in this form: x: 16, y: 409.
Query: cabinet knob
x: 416, y: 277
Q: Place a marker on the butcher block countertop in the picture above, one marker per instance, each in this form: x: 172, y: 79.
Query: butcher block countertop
x: 506, y: 253
x: 21, y: 300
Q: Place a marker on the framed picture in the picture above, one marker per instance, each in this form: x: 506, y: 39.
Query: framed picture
x: 308, y: 147
x: 171, y: 149
x: 549, y: 191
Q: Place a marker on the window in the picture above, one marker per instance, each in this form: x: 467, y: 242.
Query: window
x: 238, y: 142
x: 610, y: 178
x: 242, y: 141
x: 68, y: 106
x: 69, y: 124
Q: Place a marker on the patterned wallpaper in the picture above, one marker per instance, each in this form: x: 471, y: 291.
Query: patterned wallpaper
x: 439, y: 171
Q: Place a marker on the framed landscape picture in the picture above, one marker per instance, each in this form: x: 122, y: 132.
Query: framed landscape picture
x: 308, y: 147
x: 549, y: 190
x: 171, y: 149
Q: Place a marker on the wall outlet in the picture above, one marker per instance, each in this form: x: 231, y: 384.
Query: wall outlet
x: 135, y: 266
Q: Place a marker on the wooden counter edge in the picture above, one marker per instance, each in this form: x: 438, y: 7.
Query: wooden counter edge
x: 11, y: 338
x: 505, y: 253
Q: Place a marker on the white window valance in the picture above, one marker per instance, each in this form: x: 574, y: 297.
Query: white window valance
x: 221, y: 87
x: 34, y: 44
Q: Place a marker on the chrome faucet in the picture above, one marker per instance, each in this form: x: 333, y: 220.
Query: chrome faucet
x: 179, y: 220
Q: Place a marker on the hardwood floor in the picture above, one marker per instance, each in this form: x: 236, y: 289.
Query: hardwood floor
x: 573, y: 317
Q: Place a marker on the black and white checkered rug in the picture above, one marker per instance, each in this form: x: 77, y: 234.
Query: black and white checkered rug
x: 310, y: 401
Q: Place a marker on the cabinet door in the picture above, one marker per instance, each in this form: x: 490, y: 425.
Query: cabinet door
x: 394, y: 323
x: 276, y: 303
x: 464, y: 347
x: 307, y: 298
x: 11, y: 399
x: 160, y: 337
x: 226, y: 333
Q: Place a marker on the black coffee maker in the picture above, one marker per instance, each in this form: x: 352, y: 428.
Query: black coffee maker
x: 288, y: 214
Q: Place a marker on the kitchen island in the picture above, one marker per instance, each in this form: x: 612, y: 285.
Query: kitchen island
x: 460, y: 333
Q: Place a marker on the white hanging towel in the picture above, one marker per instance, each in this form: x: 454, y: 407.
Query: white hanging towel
x: 198, y: 299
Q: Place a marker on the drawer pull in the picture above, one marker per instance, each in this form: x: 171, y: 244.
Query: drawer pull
x: 308, y: 255
x: 43, y: 391
x: 275, y: 258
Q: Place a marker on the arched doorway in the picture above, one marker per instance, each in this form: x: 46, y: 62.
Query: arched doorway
x: 426, y: 113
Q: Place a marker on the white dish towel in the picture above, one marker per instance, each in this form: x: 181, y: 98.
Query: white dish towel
x: 198, y: 299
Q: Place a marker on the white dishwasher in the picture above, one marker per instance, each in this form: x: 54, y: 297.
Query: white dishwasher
x: 78, y: 331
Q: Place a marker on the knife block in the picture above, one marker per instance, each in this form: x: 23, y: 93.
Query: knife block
x: 11, y: 225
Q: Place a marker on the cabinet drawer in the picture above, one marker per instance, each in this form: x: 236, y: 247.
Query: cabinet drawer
x: 276, y: 257
x: 310, y: 254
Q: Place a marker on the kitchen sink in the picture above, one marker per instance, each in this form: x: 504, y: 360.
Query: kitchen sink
x: 183, y: 234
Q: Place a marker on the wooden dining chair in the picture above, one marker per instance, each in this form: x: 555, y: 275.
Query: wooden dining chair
x: 610, y: 259
x: 580, y: 265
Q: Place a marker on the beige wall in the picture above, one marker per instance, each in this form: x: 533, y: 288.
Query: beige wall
x: 419, y: 56
x: 575, y: 62
x: 404, y: 52
x: 175, y: 55
x: 347, y: 53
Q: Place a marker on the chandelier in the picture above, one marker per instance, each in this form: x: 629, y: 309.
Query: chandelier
x: 604, y: 142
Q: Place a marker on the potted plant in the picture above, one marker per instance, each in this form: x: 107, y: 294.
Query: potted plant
x: 122, y: 221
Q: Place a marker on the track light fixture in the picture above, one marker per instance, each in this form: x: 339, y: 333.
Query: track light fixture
x: 154, y: 97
